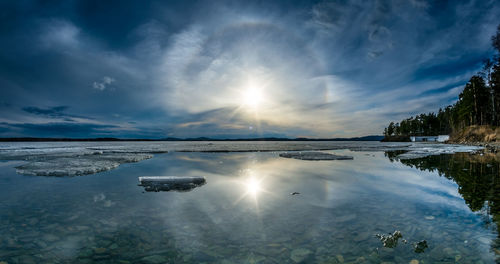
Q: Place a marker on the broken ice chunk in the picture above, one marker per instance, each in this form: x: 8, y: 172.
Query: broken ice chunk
x: 77, y: 165
x: 170, y: 183
x: 313, y: 155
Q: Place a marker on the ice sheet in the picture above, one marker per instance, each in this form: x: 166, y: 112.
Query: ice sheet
x: 80, y: 158
x: 78, y: 165
x: 424, y: 150
x: 171, y: 183
x: 314, y: 155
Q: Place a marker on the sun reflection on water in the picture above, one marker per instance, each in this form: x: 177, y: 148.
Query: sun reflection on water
x: 252, y: 187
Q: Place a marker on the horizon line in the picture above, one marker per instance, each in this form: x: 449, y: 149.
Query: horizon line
x: 62, y: 139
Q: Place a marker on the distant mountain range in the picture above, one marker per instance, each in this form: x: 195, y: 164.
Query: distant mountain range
x: 34, y: 139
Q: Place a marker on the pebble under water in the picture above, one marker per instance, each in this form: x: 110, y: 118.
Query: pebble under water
x: 245, y: 212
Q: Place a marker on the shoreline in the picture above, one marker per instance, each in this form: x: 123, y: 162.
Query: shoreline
x: 492, y: 147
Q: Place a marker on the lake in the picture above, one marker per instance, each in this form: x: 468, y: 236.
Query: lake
x: 246, y: 213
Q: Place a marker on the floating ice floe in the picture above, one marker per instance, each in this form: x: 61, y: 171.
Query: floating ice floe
x: 312, y: 155
x: 75, y: 158
x: 424, y: 150
x: 170, y: 183
x: 80, y: 165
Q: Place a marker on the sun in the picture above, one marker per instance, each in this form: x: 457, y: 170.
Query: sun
x: 253, y: 97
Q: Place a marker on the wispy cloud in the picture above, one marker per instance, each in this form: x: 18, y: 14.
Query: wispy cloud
x: 102, y: 85
x: 328, y: 68
x: 59, y: 34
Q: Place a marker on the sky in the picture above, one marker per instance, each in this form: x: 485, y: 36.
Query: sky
x: 233, y: 69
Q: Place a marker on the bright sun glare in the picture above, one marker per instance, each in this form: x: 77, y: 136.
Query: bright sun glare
x: 253, y: 186
x: 252, y: 97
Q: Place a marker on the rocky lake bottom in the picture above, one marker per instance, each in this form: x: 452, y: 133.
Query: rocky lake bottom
x: 82, y: 203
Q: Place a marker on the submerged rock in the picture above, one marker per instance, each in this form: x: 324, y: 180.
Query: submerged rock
x: 345, y: 218
x: 420, y: 246
x: 390, y: 240
x: 170, y: 183
x: 300, y: 254
x: 313, y: 155
x: 155, y: 259
x: 100, y: 250
x: 50, y: 238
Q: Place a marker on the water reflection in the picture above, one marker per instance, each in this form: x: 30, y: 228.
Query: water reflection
x: 253, y: 187
x: 244, y: 215
x: 478, y: 180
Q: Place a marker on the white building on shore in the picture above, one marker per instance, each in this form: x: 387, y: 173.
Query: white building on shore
x: 440, y: 138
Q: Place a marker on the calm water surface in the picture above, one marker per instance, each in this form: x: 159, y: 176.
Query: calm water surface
x: 246, y: 214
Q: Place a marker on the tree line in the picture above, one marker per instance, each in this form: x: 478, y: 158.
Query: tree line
x: 478, y: 104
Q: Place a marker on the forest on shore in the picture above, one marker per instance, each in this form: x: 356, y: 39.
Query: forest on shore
x: 478, y: 104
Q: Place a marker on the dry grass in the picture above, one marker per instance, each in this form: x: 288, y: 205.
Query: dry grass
x: 476, y: 134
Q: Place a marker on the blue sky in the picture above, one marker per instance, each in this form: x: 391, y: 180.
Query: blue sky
x: 228, y: 69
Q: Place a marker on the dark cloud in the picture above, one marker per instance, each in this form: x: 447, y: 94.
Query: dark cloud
x: 159, y: 68
x: 52, y: 112
x: 56, y: 111
x: 61, y: 129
